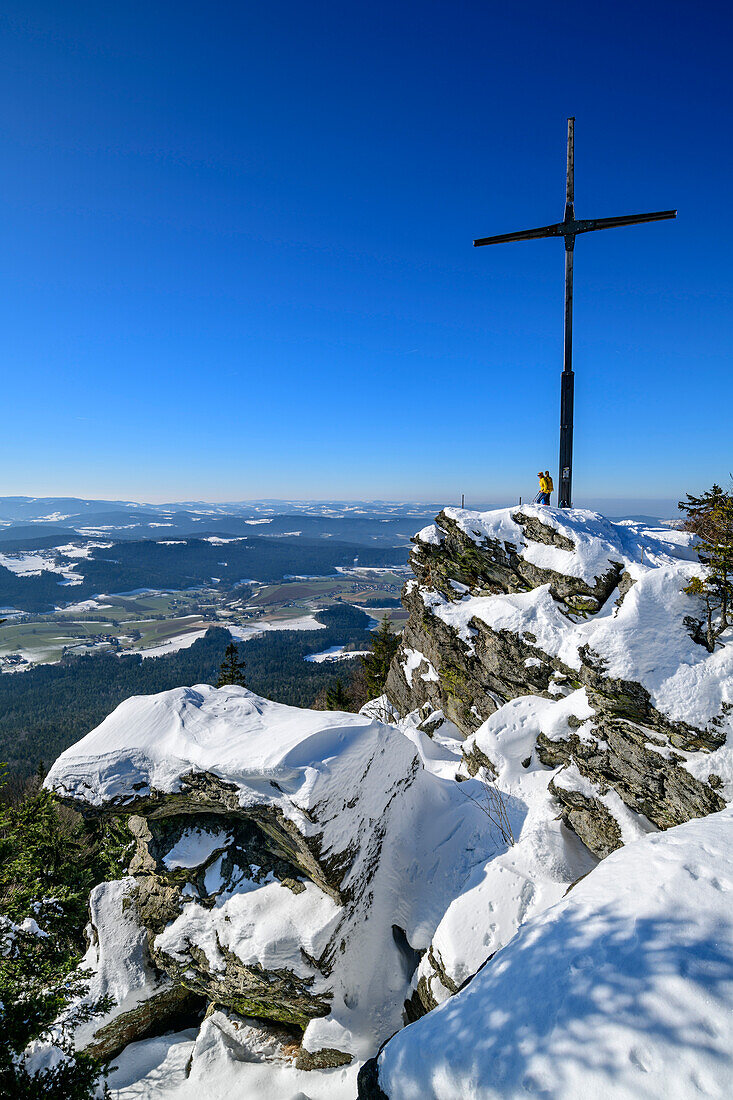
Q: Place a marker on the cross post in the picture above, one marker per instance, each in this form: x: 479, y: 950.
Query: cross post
x: 569, y: 228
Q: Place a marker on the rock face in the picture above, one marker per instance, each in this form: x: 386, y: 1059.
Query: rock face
x: 535, y: 602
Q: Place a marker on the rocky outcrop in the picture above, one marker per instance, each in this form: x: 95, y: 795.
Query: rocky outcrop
x: 220, y: 853
x: 271, y: 845
x: 171, y: 1009
x: 504, y: 606
x: 467, y: 555
x: 639, y: 766
x: 471, y: 680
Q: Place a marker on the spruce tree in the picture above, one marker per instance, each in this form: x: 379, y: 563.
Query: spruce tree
x: 231, y: 672
x: 376, y: 665
x: 336, y: 697
x: 710, y: 517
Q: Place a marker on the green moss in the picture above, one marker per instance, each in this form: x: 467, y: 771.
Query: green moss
x: 266, y: 1010
x: 453, y: 680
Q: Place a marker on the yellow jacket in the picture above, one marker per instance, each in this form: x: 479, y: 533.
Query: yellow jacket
x: 544, y: 487
x: 550, y: 484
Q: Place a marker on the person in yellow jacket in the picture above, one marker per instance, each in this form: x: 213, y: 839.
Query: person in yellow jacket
x: 546, y: 487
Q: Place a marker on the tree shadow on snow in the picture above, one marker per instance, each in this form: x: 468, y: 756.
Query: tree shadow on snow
x: 583, y: 990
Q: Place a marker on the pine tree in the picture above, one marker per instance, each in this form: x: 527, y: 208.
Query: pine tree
x: 231, y: 672
x: 48, y: 865
x: 376, y: 665
x: 698, y: 508
x: 710, y: 517
x: 337, y: 698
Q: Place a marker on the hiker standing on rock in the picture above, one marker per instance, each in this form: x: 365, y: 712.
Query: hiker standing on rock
x: 550, y: 486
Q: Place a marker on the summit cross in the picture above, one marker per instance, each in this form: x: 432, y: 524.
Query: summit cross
x: 569, y: 228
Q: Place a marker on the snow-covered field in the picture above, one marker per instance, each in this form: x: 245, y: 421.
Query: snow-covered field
x: 33, y: 563
x: 335, y: 653
x: 303, y: 622
x: 179, y: 641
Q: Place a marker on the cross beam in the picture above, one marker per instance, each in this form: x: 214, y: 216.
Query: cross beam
x: 569, y: 228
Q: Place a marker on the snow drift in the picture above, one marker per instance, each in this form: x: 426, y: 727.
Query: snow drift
x: 623, y: 990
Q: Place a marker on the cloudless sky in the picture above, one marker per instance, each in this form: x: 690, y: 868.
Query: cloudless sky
x: 237, y: 251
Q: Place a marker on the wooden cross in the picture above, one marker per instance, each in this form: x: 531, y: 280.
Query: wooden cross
x: 569, y: 229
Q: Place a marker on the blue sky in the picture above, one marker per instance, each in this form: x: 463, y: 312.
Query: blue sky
x: 237, y: 248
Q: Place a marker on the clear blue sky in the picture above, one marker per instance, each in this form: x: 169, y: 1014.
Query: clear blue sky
x: 237, y: 247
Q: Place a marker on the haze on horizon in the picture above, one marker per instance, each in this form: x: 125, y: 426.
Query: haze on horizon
x: 613, y: 507
x: 239, y: 263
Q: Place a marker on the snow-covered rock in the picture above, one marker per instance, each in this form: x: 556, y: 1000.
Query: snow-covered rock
x: 290, y: 864
x: 537, y: 602
x: 142, y: 999
x: 623, y: 990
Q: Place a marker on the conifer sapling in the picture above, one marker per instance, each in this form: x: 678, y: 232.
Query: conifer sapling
x: 231, y: 672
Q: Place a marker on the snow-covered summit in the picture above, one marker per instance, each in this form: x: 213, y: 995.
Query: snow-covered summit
x: 576, y: 588
x: 595, y: 542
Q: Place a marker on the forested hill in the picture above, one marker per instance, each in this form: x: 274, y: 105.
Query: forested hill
x: 180, y: 564
x: 49, y: 707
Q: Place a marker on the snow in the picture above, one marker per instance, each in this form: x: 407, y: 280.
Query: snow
x: 195, y: 846
x: 73, y: 550
x: 155, y: 740
x: 33, y: 563
x: 179, y: 641
x: 431, y: 534
x: 521, y: 879
x: 623, y: 989
x: 336, y: 653
x: 9, y: 934
x: 117, y: 961
x: 85, y: 605
x: 357, y: 771
x: 153, y: 1068
x: 598, y: 542
x: 303, y: 622
x: 414, y: 660
x: 224, y: 1060
x: 28, y: 563
x: 269, y: 926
